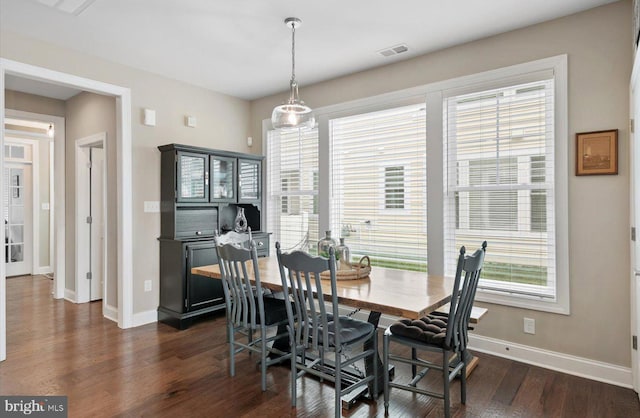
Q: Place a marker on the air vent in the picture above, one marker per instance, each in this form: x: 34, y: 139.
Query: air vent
x: 72, y: 7
x: 394, y: 50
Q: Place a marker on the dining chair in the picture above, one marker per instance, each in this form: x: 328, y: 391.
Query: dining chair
x: 316, y: 327
x: 249, y: 313
x: 444, y: 335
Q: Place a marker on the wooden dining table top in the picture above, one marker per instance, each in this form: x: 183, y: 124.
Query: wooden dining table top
x: 407, y: 294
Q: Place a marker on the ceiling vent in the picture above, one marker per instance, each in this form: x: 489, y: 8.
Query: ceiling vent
x: 72, y: 7
x: 394, y: 50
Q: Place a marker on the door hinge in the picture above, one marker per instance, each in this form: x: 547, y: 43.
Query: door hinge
x: 631, y: 125
x: 89, y: 164
x: 89, y: 219
x: 89, y: 276
x: 185, y: 303
x: 634, y: 342
x: 633, y: 233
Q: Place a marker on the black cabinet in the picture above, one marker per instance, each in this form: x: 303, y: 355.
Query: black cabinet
x: 184, y: 295
x: 201, y: 191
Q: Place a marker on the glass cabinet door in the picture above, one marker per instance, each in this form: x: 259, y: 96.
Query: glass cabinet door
x: 193, y: 177
x: 223, y: 173
x: 249, y: 181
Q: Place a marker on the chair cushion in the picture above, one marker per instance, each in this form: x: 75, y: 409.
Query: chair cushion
x: 430, y: 330
x: 351, y: 330
x: 275, y: 310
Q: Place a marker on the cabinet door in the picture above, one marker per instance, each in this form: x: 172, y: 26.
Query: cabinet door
x: 202, y: 291
x: 249, y: 181
x: 192, y: 177
x: 223, y: 174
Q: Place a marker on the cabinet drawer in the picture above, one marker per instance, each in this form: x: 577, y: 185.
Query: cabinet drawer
x: 262, y: 245
x: 196, y: 222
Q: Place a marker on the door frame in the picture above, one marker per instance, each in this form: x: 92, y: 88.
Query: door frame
x: 634, y: 195
x: 124, y: 180
x: 81, y: 212
x: 35, y: 196
x: 56, y: 196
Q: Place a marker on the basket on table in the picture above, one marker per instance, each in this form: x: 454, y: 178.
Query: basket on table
x: 359, y: 270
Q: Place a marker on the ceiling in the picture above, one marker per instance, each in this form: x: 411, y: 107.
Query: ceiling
x: 242, y: 47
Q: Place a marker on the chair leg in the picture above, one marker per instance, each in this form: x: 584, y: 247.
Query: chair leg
x: 338, y: 386
x: 414, y: 368
x: 385, y: 371
x: 463, y: 383
x: 294, y: 374
x: 374, y: 359
x: 263, y: 357
x: 445, y: 378
x: 232, y: 350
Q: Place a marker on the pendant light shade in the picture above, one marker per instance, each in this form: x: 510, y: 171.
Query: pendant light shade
x: 293, y: 113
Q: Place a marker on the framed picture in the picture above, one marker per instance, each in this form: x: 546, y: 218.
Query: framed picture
x: 597, y: 153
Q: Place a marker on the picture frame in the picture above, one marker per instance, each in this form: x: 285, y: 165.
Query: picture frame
x: 597, y: 153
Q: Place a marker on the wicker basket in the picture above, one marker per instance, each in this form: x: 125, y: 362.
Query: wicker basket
x: 359, y: 270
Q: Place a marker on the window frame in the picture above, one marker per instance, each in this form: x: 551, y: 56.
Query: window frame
x: 432, y: 95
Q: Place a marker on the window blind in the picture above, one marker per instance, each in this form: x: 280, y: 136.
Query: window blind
x: 499, y: 176
x: 292, y: 188
x: 378, y: 185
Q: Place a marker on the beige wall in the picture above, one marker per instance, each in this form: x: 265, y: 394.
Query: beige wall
x: 89, y: 114
x: 15, y: 100
x: 223, y: 123
x: 598, y: 44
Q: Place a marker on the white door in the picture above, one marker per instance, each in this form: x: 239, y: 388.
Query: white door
x: 18, y: 201
x: 96, y: 231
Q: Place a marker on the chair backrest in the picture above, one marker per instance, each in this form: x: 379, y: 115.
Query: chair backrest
x: 464, y: 293
x: 233, y: 237
x: 300, y: 274
x: 245, y: 306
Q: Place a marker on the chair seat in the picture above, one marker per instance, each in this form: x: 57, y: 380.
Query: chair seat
x: 428, y: 330
x: 351, y: 330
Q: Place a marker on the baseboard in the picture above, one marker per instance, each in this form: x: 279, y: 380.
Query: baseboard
x: 44, y: 270
x: 70, y: 295
x: 565, y: 363
x: 146, y: 317
x: 110, y: 312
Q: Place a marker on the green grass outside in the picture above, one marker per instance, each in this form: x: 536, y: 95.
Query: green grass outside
x: 493, y: 271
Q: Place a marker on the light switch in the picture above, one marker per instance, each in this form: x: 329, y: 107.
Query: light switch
x: 190, y: 121
x: 152, y: 206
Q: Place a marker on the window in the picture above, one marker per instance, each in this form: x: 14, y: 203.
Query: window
x: 500, y: 153
x: 496, y: 169
x: 292, y: 188
x: 378, y: 185
x: 394, y: 187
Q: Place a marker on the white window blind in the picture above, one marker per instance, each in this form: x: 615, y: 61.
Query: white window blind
x: 499, y: 177
x: 292, y: 188
x: 378, y: 185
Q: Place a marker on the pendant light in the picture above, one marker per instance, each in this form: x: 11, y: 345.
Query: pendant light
x: 293, y: 113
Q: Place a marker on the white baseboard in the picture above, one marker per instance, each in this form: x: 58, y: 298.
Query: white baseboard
x: 110, y: 312
x: 70, y: 295
x: 565, y: 363
x: 146, y: 317
x: 42, y: 270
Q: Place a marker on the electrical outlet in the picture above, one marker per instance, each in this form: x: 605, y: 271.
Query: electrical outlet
x: 529, y: 326
x: 147, y: 285
x: 152, y: 206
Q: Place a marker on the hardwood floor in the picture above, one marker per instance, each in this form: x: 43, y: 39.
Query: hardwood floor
x: 59, y: 348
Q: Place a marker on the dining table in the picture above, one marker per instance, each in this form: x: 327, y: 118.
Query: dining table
x: 398, y: 293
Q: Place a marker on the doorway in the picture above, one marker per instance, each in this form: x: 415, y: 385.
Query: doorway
x: 91, y: 225
x: 123, y: 175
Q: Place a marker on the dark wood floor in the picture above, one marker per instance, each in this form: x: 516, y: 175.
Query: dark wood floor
x: 59, y: 348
